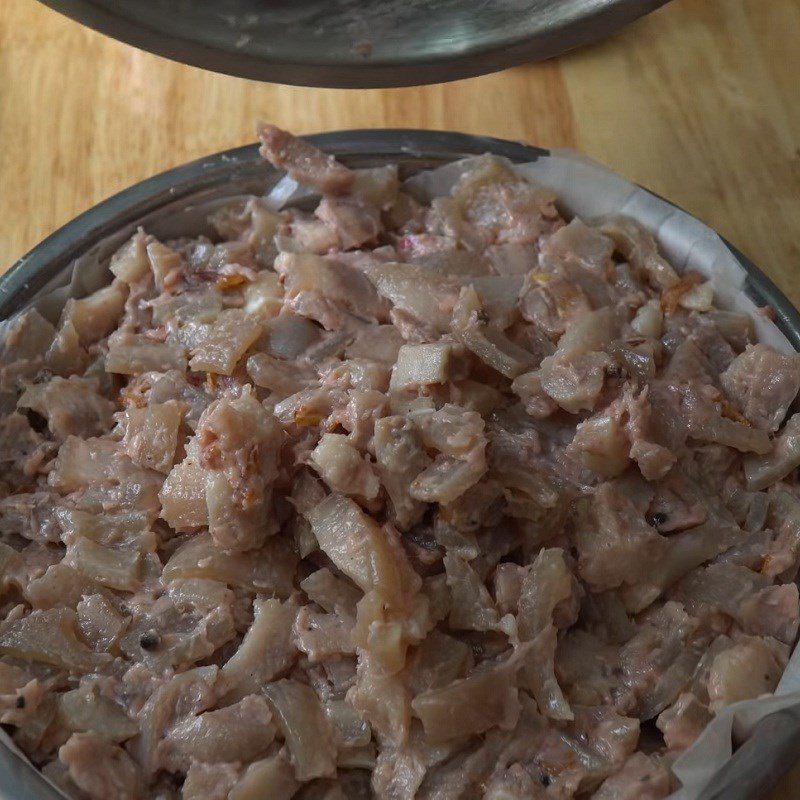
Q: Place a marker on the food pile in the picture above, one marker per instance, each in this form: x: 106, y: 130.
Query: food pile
x: 391, y: 499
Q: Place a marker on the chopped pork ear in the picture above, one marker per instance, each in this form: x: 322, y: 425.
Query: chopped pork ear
x: 337, y: 296
x: 615, y: 542
x: 762, y: 383
x: 239, y: 443
x: 547, y: 588
x: 302, y: 722
x: 400, y: 456
x: 271, y: 777
x: 426, y: 298
x: 761, y: 472
x: 343, y: 468
x: 303, y: 162
x: 389, y: 496
x: 99, y: 623
x: 355, y: 223
x: 749, y: 668
x: 183, y: 494
x: 27, y: 338
x: 85, y: 710
x: 636, y: 244
x: 49, y: 637
x: 377, y: 186
x: 472, y: 605
x: 151, y: 435
x: 101, y: 770
x: 783, y: 555
x: 71, y: 407
x: 683, y: 722
x: 183, y: 696
x: 642, y: 777
x: 132, y: 354
x: 66, y: 355
x: 488, y: 342
x: 209, y: 781
x: 580, y: 243
x: 130, y: 263
x: 284, y: 378
x: 268, y: 570
x: 266, y: 651
x: 500, y: 206
x: 233, y: 331
x: 239, y: 732
x: 358, y: 546
x: 486, y: 699
x: 95, y: 316
x: 601, y: 445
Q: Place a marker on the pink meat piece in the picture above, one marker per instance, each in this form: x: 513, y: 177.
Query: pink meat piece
x: 337, y: 296
x: 353, y: 222
x: 71, y: 406
x: 551, y: 303
x: 304, y: 162
x: 239, y: 443
x: 762, y: 383
x: 683, y: 722
x: 210, y: 781
x: 616, y: 545
x: 580, y: 243
x: 772, y: 611
x: 654, y: 459
x: 100, y: 769
x: 642, y: 777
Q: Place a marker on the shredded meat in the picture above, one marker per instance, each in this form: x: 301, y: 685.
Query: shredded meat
x: 391, y: 499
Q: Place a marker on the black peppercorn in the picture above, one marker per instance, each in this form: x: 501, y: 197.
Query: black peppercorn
x: 149, y: 640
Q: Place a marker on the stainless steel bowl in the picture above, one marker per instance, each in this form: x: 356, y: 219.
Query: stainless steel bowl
x: 356, y: 43
x: 175, y: 203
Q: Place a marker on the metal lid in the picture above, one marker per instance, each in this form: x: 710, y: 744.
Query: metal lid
x: 355, y: 43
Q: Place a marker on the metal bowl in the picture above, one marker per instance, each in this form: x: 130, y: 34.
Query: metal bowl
x: 356, y: 43
x: 175, y: 203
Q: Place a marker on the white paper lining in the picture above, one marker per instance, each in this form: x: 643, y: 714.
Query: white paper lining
x: 586, y: 189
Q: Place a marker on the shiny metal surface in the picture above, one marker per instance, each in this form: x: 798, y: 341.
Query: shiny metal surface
x: 748, y: 774
x: 167, y: 205
x: 356, y: 43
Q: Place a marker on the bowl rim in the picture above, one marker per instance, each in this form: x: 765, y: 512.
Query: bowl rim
x: 553, y: 36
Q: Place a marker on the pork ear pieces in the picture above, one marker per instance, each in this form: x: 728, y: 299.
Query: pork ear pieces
x: 393, y: 497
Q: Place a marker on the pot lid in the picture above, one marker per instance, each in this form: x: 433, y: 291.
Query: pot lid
x: 355, y: 43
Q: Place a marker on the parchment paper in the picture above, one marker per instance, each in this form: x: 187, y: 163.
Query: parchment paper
x: 586, y: 189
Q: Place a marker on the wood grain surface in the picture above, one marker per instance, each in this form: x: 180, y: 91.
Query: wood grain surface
x: 698, y: 102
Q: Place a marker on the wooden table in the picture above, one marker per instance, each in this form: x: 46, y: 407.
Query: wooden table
x: 698, y: 101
